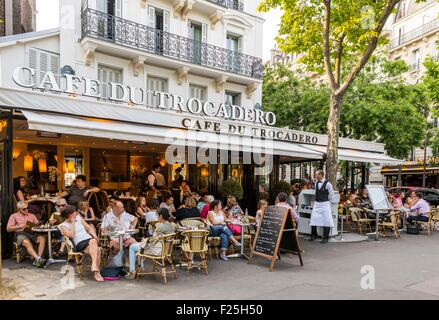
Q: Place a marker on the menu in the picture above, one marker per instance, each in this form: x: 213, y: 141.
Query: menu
x: 270, y: 230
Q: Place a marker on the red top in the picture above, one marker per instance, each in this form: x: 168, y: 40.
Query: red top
x: 205, y: 211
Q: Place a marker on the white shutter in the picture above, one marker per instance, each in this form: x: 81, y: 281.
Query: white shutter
x: 166, y: 20
x: 33, y: 63
x: 151, y: 16
x: 190, y: 34
x: 204, y: 33
x: 240, y: 44
x: 118, y: 8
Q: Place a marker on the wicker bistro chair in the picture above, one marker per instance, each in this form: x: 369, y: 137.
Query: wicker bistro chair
x: 167, y: 242
x: 72, y: 255
x: 429, y: 225
x: 194, y: 242
x: 192, y: 223
x: 356, y: 218
x: 150, y: 227
x: 391, y: 222
x: 20, y: 252
x: 213, y: 243
x: 104, y: 243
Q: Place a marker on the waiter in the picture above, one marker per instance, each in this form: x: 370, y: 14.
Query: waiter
x: 321, y: 215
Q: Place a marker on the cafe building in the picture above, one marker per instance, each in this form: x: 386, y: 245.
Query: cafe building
x: 123, y: 85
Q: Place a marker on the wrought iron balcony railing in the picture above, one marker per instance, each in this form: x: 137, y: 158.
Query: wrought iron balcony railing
x: 106, y: 27
x: 231, y: 4
x: 415, y: 33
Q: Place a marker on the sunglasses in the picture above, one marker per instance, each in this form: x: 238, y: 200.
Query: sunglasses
x: 60, y: 205
x: 24, y: 209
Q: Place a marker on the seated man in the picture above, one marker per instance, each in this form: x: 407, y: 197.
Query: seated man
x: 83, y: 236
x: 79, y: 191
x: 120, y: 220
x: 20, y: 223
x: 420, y: 210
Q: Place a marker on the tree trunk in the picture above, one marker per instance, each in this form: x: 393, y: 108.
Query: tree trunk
x: 333, y: 127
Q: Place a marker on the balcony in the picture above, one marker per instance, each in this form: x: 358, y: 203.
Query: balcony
x: 414, y: 34
x: 230, y: 4
x: 108, y: 29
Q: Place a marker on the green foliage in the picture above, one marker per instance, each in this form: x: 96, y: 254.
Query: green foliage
x: 281, y: 186
x: 379, y: 107
x: 231, y: 187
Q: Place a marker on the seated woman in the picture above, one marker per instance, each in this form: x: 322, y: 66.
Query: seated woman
x: 188, y: 210
x: 140, y: 207
x: 83, y: 236
x: 232, y: 209
x: 19, y: 189
x: 87, y: 213
x: 151, y: 246
x: 217, y: 219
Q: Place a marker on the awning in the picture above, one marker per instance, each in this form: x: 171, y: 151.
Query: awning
x: 100, y: 128
x: 358, y: 156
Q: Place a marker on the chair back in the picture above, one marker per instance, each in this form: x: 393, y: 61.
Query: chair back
x: 355, y: 213
x: 69, y: 245
x: 103, y: 202
x: 93, y: 202
x: 192, y: 223
x: 167, y: 241
x: 195, y: 240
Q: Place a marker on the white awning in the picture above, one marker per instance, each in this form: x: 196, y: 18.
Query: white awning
x: 358, y: 156
x: 99, y: 128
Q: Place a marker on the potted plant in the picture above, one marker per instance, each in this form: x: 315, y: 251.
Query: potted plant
x: 231, y: 187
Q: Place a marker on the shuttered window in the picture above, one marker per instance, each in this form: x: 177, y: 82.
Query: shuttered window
x: 156, y: 84
x: 198, y: 92
x: 43, y: 61
x: 106, y: 75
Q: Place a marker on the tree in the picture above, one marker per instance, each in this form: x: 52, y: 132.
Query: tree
x: 379, y: 107
x: 331, y: 36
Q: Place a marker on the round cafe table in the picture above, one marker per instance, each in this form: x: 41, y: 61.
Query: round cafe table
x: 49, y: 231
x: 121, y: 234
x: 241, y: 253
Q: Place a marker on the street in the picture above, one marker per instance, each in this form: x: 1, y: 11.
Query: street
x: 405, y: 268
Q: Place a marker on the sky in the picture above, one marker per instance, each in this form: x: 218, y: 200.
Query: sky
x: 48, y: 18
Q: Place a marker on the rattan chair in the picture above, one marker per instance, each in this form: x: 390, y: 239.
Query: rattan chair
x: 194, y: 242
x: 72, y: 255
x: 213, y: 243
x: 428, y: 226
x: 356, y: 218
x: 150, y: 227
x: 162, y: 260
x: 192, y: 223
x: 391, y: 222
x: 104, y: 244
x: 20, y: 252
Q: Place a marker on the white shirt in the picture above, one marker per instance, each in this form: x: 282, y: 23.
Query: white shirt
x: 150, y: 216
x: 81, y: 233
x: 328, y: 187
x: 110, y: 220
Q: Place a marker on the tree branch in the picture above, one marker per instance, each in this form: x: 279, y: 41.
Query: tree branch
x: 338, y: 59
x: 370, y: 48
x: 326, y: 51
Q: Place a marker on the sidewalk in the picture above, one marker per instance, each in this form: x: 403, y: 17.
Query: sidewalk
x: 405, y: 268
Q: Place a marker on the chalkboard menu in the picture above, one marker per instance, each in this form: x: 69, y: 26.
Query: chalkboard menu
x: 269, y: 230
x: 276, y: 231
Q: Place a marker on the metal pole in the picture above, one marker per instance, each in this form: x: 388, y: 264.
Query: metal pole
x: 424, y: 171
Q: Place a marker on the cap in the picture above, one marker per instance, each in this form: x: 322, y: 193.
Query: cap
x: 61, y: 201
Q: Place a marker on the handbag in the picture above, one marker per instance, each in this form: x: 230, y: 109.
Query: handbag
x: 412, y: 229
x: 236, y: 229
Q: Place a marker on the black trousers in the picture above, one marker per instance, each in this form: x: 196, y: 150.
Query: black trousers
x: 326, y: 231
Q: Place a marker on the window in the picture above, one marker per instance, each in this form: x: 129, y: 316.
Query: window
x: 402, y: 8
x: 416, y: 56
x: 198, y: 92
x: 43, y: 61
x: 233, y: 99
x: 198, y: 34
x: 106, y: 75
x: 156, y: 84
x: 234, y: 44
x: 159, y: 20
x: 107, y: 23
x: 400, y: 36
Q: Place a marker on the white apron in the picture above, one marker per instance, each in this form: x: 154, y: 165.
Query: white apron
x: 321, y: 215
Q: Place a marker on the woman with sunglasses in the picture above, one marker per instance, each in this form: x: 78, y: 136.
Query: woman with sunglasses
x: 55, y: 220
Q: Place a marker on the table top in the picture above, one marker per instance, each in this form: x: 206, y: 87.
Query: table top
x: 44, y: 229
x: 121, y: 233
x: 50, y: 199
x: 239, y: 223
